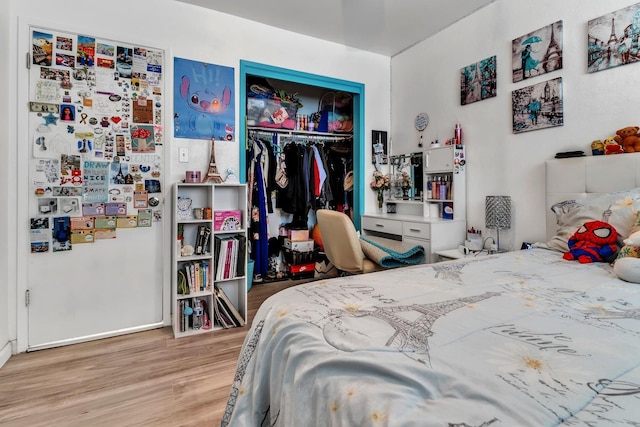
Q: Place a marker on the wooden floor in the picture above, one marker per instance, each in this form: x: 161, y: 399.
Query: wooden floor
x: 142, y: 379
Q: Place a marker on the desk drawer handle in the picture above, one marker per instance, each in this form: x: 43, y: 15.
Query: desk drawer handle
x: 380, y: 225
x: 417, y: 230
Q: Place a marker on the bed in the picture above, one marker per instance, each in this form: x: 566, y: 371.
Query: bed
x: 523, y: 338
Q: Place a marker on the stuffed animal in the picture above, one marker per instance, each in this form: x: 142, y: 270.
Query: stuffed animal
x: 627, y: 264
x: 594, y: 241
x: 597, y: 147
x: 629, y: 138
x: 611, y: 146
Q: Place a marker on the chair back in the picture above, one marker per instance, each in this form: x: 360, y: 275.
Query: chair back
x: 341, y: 241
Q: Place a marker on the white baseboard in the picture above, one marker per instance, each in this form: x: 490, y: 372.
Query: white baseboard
x: 5, y: 353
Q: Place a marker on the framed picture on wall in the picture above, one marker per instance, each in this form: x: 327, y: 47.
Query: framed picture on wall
x: 538, y: 106
x: 380, y: 153
x: 537, y: 53
x: 613, y: 39
x: 478, y: 81
x: 204, y: 100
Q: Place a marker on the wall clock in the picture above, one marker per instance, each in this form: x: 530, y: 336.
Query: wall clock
x: 421, y: 121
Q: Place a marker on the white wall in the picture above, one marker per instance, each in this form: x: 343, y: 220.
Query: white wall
x: 184, y: 31
x: 427, y: 78
x: 7, y: 209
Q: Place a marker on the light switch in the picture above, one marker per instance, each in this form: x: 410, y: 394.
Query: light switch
x: 183, y: 155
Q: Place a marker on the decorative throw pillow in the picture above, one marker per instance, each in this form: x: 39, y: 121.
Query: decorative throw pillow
x: 618, y: 209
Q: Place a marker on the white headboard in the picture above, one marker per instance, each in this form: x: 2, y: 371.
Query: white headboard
x: 589, y: 176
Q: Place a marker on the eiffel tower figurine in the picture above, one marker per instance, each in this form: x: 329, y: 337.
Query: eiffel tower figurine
x: 212, y: 174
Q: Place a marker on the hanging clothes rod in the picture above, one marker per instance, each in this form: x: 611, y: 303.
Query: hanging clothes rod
x: 293, y: 135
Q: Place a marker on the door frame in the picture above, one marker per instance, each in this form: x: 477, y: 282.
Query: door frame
x: 356, y: 89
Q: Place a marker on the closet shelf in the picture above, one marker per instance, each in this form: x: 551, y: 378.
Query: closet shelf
x: 300, y: 132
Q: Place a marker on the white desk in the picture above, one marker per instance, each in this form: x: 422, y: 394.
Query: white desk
x: 450, y: 254
x: 433, y: 234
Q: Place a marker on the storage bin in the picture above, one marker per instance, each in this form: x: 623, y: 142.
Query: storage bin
x: 250, y: 265
x: 336, y: 112
x: 295, y: 257
x: 267, y: 112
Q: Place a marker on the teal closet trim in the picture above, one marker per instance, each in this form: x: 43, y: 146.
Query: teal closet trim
x: 357, y: 89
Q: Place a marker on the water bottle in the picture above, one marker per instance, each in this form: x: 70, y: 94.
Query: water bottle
x: 197, y: 315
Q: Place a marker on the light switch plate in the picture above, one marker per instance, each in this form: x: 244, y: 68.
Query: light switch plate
x: 183, y: 155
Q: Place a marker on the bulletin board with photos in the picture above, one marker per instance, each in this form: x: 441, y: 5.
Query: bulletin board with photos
x: 96, y: 138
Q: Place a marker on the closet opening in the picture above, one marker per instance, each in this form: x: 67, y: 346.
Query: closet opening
x: 306, y: 125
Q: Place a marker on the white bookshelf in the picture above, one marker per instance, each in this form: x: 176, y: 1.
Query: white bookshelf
x: 186, y: 228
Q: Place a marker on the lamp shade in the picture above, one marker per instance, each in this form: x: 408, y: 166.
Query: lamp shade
x: 498, y: 212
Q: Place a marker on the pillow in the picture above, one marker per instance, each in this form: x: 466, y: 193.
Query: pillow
x: 628, y: 269
x: 627, y: 265
x: 618, y: 209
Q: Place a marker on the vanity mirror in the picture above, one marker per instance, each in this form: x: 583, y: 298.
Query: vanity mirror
x: 406, y: 177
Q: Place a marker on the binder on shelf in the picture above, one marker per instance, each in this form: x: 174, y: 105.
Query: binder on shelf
x: 222, y: 317
x: 228, y: 306
x: 242, y: 241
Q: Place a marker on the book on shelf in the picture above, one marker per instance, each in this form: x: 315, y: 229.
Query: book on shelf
x: 197, y: 277
x: 183, y: 325
x: 185, y: 317
x: 242, y: 250
x: 202, y: 239
x: 223, y: 318
x: 227, y: 307
x: 230, y: 257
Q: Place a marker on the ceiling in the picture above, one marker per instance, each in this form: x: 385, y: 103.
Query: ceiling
x: 386, y: 27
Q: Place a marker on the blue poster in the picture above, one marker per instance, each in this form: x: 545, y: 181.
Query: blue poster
x: 204, y: 106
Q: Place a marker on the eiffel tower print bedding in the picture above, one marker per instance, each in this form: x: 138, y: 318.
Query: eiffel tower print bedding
x: 518, y: 339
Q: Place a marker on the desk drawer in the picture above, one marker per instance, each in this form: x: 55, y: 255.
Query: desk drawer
x: 418, y: 230
x: 382, y: 225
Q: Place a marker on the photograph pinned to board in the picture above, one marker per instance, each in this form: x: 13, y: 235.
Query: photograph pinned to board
x: 40, y: 234
x: 613, y: 39
x: 537, y: 53
x: 538, y: 106
x: 61, y: 234
x: 478, y: 81
x: 379, y: 147
x: 204, y: 105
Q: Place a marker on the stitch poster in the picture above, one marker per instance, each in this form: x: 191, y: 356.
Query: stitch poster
x: 204, y: 106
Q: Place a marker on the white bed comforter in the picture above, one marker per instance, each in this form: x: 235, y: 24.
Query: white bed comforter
x: 521, y: 339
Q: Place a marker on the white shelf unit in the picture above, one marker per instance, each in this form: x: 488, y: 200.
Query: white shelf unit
x: 217, y: 197
x: 447, y: 164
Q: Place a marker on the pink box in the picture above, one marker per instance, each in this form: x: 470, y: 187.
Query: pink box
x: 227, y: 220
x: 299, y: 235
x: 192, y: 176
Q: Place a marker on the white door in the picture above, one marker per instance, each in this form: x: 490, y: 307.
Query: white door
x: 90, y: 166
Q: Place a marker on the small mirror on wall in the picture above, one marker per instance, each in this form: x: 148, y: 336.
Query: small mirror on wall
x: 406, y: 177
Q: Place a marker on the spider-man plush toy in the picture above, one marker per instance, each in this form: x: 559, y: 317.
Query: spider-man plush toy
x: 594, y: 241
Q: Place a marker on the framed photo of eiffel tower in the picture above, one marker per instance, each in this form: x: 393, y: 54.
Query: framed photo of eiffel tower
x: 479, y: 81
x: 613, y: 39
x: 537, y: 53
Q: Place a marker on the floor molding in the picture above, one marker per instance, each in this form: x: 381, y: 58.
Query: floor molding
x: 5, y: 353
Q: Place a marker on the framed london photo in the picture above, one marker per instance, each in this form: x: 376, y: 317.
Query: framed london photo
x: 538, y: 106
